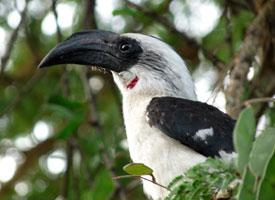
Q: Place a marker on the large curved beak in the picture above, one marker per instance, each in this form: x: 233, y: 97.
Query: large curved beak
x: 95, y: 47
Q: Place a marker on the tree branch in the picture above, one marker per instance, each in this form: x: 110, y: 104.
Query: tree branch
x: 12, y: 40
x: 31, y: 157
x: 146, y: 179
x: 259, y: 100
x: 23, y: 91
x: 189, y: 47
x: 66, y: 92
x: 244, y: 59
x: 89, y: 22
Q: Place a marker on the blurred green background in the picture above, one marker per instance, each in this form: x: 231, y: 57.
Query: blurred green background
x: 61, y: 129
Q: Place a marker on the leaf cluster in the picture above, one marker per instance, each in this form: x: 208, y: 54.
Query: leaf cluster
x: 204, y: 181
x: 255, y: 158
x: 253, y: 177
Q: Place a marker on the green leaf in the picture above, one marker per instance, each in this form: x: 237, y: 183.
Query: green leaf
x: 262, y: 151
x: 247, y: 191
x: 61, y: 101
x: 64, y: 107
x: 270, y: 114
x: 72, y: 126
x: 214, y: 41
x: 267, y: 187
x: 61, y: 111
x: 139, y: 16
x: 239, y: 25
x: 203, y: 181
x: 137, y: 169
x: 125, y: 11
x: 243, y: 137
x: 103, y: 187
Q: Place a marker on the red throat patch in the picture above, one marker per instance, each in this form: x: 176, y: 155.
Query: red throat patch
x: 132, y: 83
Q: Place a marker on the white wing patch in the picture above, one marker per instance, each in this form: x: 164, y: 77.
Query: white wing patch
x: 228, y: 157
x: 147, y: 117
x: 204, y: 133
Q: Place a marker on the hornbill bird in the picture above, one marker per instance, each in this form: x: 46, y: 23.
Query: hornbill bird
x: 167, y: 128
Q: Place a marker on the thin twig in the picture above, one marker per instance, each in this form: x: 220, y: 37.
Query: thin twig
x: 90, y: 22
x: 135, y: 176
x: 95, y: 123
x: 31, y: 157
x: 58, y: 31
x: 66, y: 92
x: 228, y: 26
x: 259, y: 100
x: 90, y: 98
x: 164, y: 21
x: 31, y: 83
x: 242, y: 61
x: 190, y: 47
x: 238, y: 4
x: 261, y: 108
x: 23, y: 91
x: 68, y: 172
x: 12, y: 40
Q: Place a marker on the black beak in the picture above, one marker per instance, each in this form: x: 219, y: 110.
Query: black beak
x: 95, y: 47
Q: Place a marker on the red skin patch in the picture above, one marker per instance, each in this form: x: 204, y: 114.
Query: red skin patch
x: 132, y: 83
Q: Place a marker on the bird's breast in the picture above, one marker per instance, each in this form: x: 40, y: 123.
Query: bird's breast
x: 148, y: 145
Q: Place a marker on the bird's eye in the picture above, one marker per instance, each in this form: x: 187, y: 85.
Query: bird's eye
x: 124, y: 47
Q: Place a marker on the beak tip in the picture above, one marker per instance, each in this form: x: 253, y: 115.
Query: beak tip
x: 44, y: 63
x: 41, y: 65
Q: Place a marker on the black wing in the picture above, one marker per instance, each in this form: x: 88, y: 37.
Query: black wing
x: 181, y: 119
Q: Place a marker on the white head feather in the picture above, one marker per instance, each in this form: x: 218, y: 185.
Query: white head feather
x: 160, y: 70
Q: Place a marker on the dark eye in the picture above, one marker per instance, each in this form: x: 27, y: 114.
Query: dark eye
x: 124, y: 47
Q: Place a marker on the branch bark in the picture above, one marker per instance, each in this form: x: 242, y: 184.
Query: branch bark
x: 89, y: 22
x: 251, y: 46
x: 66, y: 93
x: 189, y: 46
x: 24, y: 90
x: 14, y: 35
x: 259, y: 100
x: 31, y: 157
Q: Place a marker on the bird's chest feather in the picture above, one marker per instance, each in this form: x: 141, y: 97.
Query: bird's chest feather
x: 148, y: 145
x: 143, y: 139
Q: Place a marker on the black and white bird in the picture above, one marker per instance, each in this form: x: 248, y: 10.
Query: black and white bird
x: 167, y: 128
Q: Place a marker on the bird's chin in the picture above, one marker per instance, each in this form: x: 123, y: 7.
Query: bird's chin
x: 128, y: 79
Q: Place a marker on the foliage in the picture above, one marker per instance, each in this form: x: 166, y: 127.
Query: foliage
x: 87, y: 127
x: 255, y: 162
x: 244, y: 136
x: 204, y: 181
x: 255, y: 165
x: 137, y: 169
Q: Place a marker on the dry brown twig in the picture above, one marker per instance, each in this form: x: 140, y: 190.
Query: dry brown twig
x: 13, y: 38
x: 31, y: 157
x: 189, y: 46
x: 141, y: 177
x: 24, y: 90
x: 259, y: 100
x: 66, y: 92
x: 244, y: 59
x: 90, y: 22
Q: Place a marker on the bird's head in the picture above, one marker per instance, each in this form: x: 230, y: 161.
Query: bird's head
x: 140, y: 64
